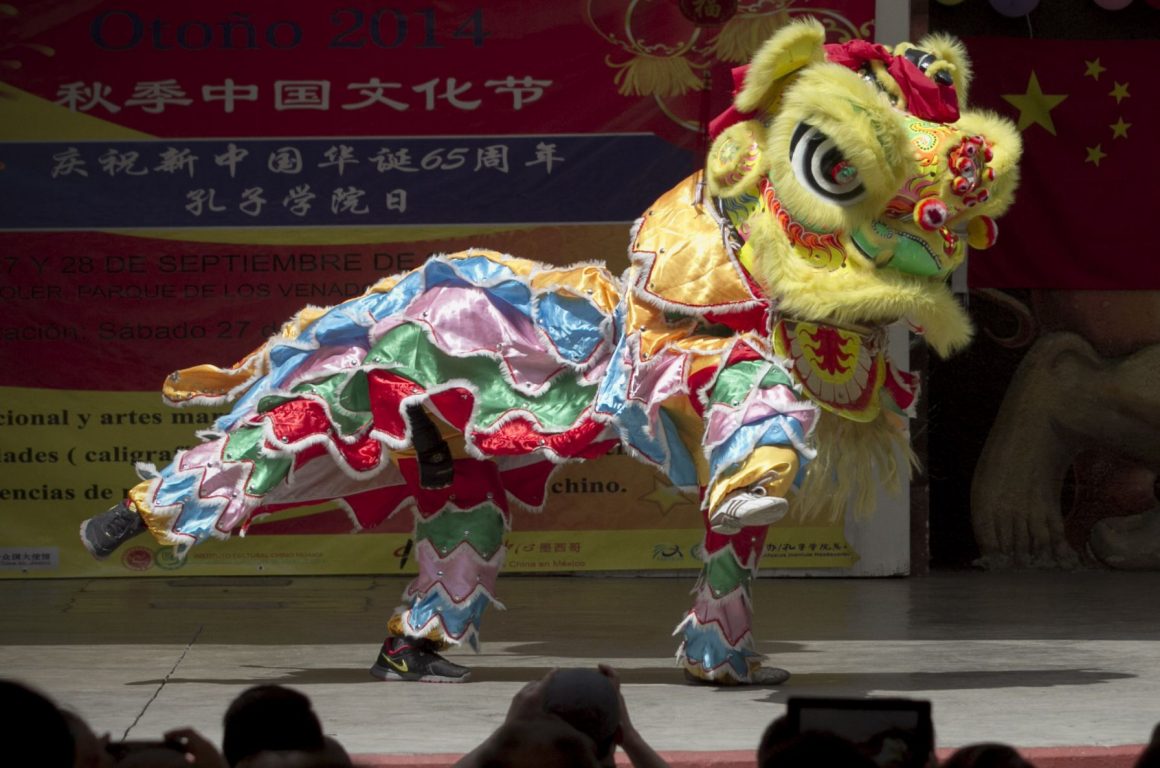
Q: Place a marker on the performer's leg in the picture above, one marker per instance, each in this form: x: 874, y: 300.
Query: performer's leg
x: 436, y: 468
x: 207, y: 491
x: 459, y: 548
x: 717, y: 639
x: 716, y: 634
x: 754, y: 494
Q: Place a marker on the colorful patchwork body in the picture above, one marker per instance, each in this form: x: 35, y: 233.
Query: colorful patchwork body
x: 743, y: 349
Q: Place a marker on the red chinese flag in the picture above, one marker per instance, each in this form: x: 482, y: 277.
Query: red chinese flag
x: 1089, y: 111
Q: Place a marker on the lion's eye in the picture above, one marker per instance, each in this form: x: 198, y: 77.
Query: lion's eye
x: 820, y: 166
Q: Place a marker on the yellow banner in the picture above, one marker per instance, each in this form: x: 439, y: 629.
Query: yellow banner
x: 66, y: 455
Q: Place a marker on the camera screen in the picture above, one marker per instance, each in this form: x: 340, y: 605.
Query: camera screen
x: 892, y: 732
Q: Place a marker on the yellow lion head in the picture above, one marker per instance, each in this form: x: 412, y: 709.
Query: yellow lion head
x: 858, y: 177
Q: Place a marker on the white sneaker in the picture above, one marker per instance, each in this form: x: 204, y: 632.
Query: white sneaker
x: 747, y: 507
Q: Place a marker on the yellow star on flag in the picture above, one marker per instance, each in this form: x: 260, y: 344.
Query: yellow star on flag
x: 1095, y: 154
x: 1120, y: 129
x: 1034, y: 106
x: 1094, y: 69
x: 665, y: 496
x: 1120, y: 92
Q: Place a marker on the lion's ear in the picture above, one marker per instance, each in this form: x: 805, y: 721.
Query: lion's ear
x: 950, y: 54
x: 793, y: 47
x: 736, y: 160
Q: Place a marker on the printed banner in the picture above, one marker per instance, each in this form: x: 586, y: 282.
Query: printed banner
x: 176, y: 182
x: 318, y: 182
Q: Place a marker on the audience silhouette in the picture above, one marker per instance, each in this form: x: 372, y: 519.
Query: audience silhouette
x: 986, y: 755
x: 587, y: 702
x: 569, y: 718
x: 34, y: 731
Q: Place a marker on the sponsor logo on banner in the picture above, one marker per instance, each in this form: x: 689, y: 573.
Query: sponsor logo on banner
x: 137, y: 559
x: 29, y: 558
x: 166, y: 560
x: 667, y: 552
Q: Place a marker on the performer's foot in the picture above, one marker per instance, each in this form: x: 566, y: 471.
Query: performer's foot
x: 768, y: 676
x: 758, y: 676
x: 746, y: 507
x: 414, y: 659
x: 103, y: 533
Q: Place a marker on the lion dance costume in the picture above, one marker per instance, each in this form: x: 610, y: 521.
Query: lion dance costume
x: 742, y: 353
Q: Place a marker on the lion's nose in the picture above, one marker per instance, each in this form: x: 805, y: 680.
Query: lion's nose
x: 971, y: 177
x: 950, y: 214
x: 967, y: 162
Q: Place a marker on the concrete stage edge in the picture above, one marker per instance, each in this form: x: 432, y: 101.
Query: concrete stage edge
x: 1063, y: 665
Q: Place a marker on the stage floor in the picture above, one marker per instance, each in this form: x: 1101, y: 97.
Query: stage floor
x: 1037, y: 659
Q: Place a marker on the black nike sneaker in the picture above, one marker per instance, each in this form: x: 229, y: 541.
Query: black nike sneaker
x: 103, y: 533
x: 415, y: 659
